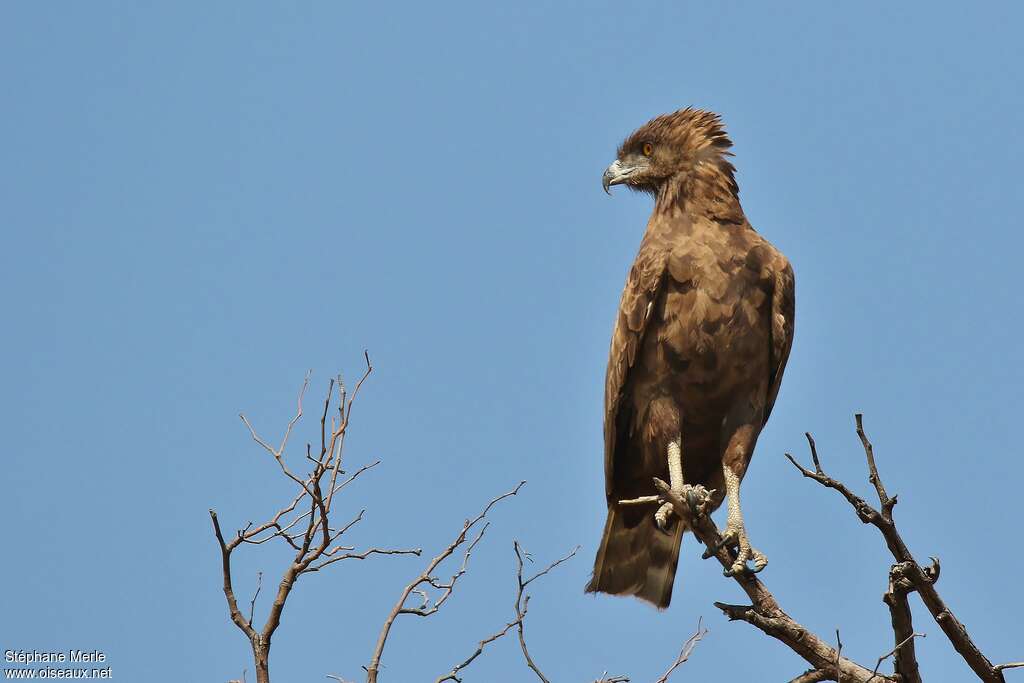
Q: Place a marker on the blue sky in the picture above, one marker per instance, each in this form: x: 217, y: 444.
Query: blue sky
x: 201, y: 201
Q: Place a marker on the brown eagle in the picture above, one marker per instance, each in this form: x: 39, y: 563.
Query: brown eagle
x: 702, y: 336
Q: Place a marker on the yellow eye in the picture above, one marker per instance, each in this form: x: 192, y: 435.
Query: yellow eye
x: 648, y: 149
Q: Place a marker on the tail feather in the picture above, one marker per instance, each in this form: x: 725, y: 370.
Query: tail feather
x: 636, y: 557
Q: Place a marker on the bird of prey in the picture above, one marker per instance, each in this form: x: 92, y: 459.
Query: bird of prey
x: 700, y: 343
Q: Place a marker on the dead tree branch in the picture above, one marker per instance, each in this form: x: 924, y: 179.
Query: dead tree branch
x: 523, y: 600
x: 904, y: 643
x: 684, y: 654
x: 521, y: 609
x: 305, y: 526
x: 309, y: 534
x: 911, y: 576
x: 1011, y: 665
x: 427, y: 580
x: 905, y: 657
x: 764, y: 612
x: 453, y: 674
x: 905, y: 576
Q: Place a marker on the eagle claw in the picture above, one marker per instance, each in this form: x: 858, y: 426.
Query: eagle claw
x: 735, y: 535
x: 697, y: 498
x: 661, y: 517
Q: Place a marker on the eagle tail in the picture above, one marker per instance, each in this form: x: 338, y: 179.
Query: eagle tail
x: 636, y: 557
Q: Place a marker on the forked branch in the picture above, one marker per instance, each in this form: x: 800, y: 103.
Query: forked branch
x: 521, y: 609
x: 310, y: 534
x: 684, y: 654
x: 427, y: 580
x: 522, y: 603
x: 907, y: 574
x: 764, y: 611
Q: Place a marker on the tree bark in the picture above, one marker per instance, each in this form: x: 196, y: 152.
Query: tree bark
x: 261, y: 658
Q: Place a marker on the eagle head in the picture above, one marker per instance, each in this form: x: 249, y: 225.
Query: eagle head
x: 671, y: 149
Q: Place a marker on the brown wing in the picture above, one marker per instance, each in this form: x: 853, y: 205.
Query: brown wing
x: 783, y: 319
x: 645, y: 279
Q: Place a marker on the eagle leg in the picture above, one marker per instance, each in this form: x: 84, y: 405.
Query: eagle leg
x: 695, y: 496
x: 675, y: 482
x: 735, y: 531
x: 695, y: 499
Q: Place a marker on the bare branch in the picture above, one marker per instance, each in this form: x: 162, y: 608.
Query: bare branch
x: 892, y: 652
x: 839, y: 653
x: 523, y: 600
x: 340, y: 532
x: 354, y: 475
x: 905, y: 660
x: 922, y: 580
x: 339, y: 430
x: 279, y: 451
x: 453, y: 674
x: 364, y: 554
x: 446, y: 588
x: 814, y: 452
x: 886, y: 502
x: 765, y: 612
x: 312, y: 540
x: 427, y: 578
x: 249, y: 536
x: 323, y: 422
x: 551, y: 566
x: 684, y: 654
x: 252, y: 603
x: 642, y: 500
x: 229, y: 593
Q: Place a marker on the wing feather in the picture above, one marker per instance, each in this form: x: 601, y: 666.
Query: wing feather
x: 783, y: 320
x: 631, y: 324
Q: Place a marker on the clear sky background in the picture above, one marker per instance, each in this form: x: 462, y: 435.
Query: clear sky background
x: 200, y: 201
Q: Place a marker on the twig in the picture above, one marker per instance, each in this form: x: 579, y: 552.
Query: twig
x: 365, y: 554
x: 892, y: 652
x: 523, y: 600
x: 839, y: 653
x: 448, y: 587
x: 684, y: 654
x: 279, y: 451
x: 453, y: 674
x: 1010, y: 665
x: 883, y: 498
x: 252, y: 603
x: 426, y: 578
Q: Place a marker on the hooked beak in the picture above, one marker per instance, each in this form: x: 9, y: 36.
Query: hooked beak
x: 616, y: 174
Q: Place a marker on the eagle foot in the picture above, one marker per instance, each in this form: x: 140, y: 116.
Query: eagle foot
x: 662, y: 516
x: 696, y: 499
x: 735, y: 536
